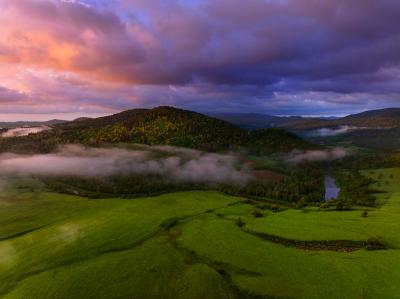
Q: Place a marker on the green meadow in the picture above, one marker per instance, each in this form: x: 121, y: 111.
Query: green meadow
x: 189, y: 245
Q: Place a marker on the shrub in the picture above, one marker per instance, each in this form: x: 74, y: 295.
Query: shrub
x: 257, y: 213
x: 364, y: 214
x: 169, y: 223
x: 262, y: 206
x: 324, y: 205
x: 274, y: 208
x: 339, y: 206
x: 94, y: 195
x: 343, y: 205
x: 240, y: 222
x: 300, y: 205
x: 375, y: 243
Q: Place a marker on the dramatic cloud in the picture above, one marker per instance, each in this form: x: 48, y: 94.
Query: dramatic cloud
x: 283, y: 57
x: 173, y: 163
x: 9, y: 96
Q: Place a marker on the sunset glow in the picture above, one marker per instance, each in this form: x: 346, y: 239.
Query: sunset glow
x: 96, y: 57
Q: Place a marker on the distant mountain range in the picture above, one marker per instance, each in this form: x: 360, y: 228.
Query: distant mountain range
x: 382, y: 118
x: 254, y: 121
x: 18, y: 124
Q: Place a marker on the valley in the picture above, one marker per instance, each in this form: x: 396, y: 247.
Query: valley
x: 199, y: 149
x: 88, y: 212
x: 170, y: 246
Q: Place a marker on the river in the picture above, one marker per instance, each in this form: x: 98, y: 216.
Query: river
x: 331, y: 189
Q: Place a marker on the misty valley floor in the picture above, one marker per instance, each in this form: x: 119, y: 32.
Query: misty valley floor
x: 188, y: 245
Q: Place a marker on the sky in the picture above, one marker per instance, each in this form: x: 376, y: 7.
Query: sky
x: 70, y: 58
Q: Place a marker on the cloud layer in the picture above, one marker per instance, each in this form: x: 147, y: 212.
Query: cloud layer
x: 297, y: 157
x: 327, y: 132
x: 173, y: 163
x: 292, y: 56
x: 17, y: 132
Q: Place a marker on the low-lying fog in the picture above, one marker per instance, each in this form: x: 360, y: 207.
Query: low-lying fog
x: 18, y: 132
x: 337, y: 153
x: 326, y: 132
x: 174, y: 163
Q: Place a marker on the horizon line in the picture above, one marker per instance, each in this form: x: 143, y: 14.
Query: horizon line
x: 70, y: 116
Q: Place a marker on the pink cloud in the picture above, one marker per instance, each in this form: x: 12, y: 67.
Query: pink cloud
x: 78, y: 56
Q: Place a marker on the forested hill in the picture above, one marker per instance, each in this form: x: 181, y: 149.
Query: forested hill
x: 162, y: 126
x: 382, y: 118
x: 275, y: 140
x: 255, y: 121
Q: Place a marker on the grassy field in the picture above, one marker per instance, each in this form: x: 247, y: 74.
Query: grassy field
x: 188, y: 245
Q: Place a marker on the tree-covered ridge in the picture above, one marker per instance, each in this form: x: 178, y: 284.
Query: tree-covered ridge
x: 277, y: 139
x: 159, y: 126
x: 375, y: 140
x: 382, y: 118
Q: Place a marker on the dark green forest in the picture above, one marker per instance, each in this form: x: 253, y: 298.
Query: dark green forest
x: 158, y: 126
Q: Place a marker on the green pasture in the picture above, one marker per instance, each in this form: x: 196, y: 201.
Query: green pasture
x: 188, y: 245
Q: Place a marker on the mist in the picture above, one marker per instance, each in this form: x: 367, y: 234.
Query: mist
x: 18, y: 132
x: 297, y: 157
x: 174, y: 163
x: 326, y: 132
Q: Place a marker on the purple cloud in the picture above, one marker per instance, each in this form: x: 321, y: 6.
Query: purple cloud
x: 292, y: 56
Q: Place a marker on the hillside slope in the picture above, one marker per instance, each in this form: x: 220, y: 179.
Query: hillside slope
x: 254, y: 121
x: 382, y: 118
x: 158, y: 126
x: 277, y: 139
x: 161, y: 125
x: 375, y: 140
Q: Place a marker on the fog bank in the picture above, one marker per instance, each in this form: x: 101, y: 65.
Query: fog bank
x: 173, y: 163
x: 327, y: 132
x: 18, y: 132
x: 297, y: 157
